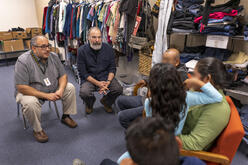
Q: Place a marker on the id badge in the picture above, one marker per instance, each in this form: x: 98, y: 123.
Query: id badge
x: 47, y: 82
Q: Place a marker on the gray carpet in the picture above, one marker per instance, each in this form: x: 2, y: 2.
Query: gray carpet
x: 97, y: 137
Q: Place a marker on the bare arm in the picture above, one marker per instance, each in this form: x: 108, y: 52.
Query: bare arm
x: 62, y: 82
x: 93, y: 81
x: 111, y: 76
x: 30, y: 91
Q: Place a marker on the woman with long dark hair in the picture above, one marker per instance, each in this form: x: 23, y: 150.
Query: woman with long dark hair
x: 169, y: 97
x: 204, y: 123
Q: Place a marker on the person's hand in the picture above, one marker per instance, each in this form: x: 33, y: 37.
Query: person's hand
x: 127, y: 161
x: 52, y: 97
x: 59, y: 93
x: 101, y: 84
x: 194, y: 83
x: 107, y: 83
x: 179, y: 142
x: 103, y: 90
x: 142, y: 83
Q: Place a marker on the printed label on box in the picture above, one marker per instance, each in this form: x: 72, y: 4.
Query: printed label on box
x: 216, y: 41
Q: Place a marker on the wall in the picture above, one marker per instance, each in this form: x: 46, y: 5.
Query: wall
x: 14, y: 13
x: 40, y: 4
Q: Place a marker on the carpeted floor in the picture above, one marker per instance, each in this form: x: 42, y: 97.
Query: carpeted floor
x: 98, y: 136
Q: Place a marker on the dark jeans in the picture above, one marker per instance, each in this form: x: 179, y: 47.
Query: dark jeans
x: 130, y: 108
x: 108, y: 162
x: 87, y: 89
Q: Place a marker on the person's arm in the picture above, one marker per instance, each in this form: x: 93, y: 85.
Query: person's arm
x: 94, y: 81
x: 208, y: 95
x: 110, y: 78
x: 123, y: 156
x: 148, y: 109
x: 81, y: 64
x: 62, y: 84
x: 112, y: 66
x: 146, y: 79
x: 208, y: 127
x: 30, y: 91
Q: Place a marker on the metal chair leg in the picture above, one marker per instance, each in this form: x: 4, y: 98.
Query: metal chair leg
x: 50, y: 105
x: 24, y: 122
x: 85, y: 113
x: 18, y: 109
x: 23, y: 117
x: 56, y: 109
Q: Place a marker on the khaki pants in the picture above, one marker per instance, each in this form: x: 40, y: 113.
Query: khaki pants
x: 31, y: 107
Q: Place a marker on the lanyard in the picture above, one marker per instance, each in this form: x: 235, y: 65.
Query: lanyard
x: 37, y: 62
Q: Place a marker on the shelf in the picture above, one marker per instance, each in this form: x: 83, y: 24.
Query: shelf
x: 241, y: 90
x: 237, y: 37
x: 19, y: 51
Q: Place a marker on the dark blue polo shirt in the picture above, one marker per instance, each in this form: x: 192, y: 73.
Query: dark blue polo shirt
x: 97, y: 64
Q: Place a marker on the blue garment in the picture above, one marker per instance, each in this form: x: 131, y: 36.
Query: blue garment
x: 67, y: 25
x: 244, y: 118
x: 226, y: 18
x: 228, y: 28
x: 89, y: 16
x: 208, y: 95
x: 47, y: 29
x: 191, y: 161
x: 84, y: 22
x: 78, y: 23
x: 185, y: 57
x: 74, y: 20
x: 185, y: 160
x: 221, y: 54
x: 222, y: 33
x: 130, y: 108
x: 97, y: 64
x: 246, y: 33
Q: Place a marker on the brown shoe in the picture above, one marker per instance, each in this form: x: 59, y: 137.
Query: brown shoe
x: 69, y: 122
x: 107, y: 108
x: 88, y: 110
x: 41, y: 136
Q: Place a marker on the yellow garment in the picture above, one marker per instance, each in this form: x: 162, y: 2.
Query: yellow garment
x: 113, y: 11
x: 102, y: 12
x: 237, y: 58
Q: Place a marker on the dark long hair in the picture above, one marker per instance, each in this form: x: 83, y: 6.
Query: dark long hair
x: 167, y: 92
x: 220, y: 78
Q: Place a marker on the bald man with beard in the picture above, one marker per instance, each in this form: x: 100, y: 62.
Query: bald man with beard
x: 131, y: 107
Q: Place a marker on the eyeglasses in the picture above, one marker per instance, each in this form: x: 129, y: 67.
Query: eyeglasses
x: 96, y: 37
x: 44, y: 46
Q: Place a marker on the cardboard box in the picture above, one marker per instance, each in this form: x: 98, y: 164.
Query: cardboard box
x: 27, y: 44
x: 6, y: 36
x: 13, y: 45
x: 32, y: 32
x: 19, y: 35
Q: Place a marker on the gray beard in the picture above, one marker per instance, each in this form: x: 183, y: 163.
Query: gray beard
x: 96, y: 47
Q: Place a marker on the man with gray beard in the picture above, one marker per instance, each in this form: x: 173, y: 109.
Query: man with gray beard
x: 96, y: 66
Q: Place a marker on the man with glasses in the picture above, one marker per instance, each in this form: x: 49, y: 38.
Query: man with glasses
x: 96, y: 65
x: 40, y: 76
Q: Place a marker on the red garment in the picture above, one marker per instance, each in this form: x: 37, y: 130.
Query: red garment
x: 217, y: 15
x: 108, y: 13
x: 139, y: 6
x: 71, y: 24
x: 44, y: 18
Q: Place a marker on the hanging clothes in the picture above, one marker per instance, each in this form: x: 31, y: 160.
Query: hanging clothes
x: 62, y: 16
x: 161, y: 44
